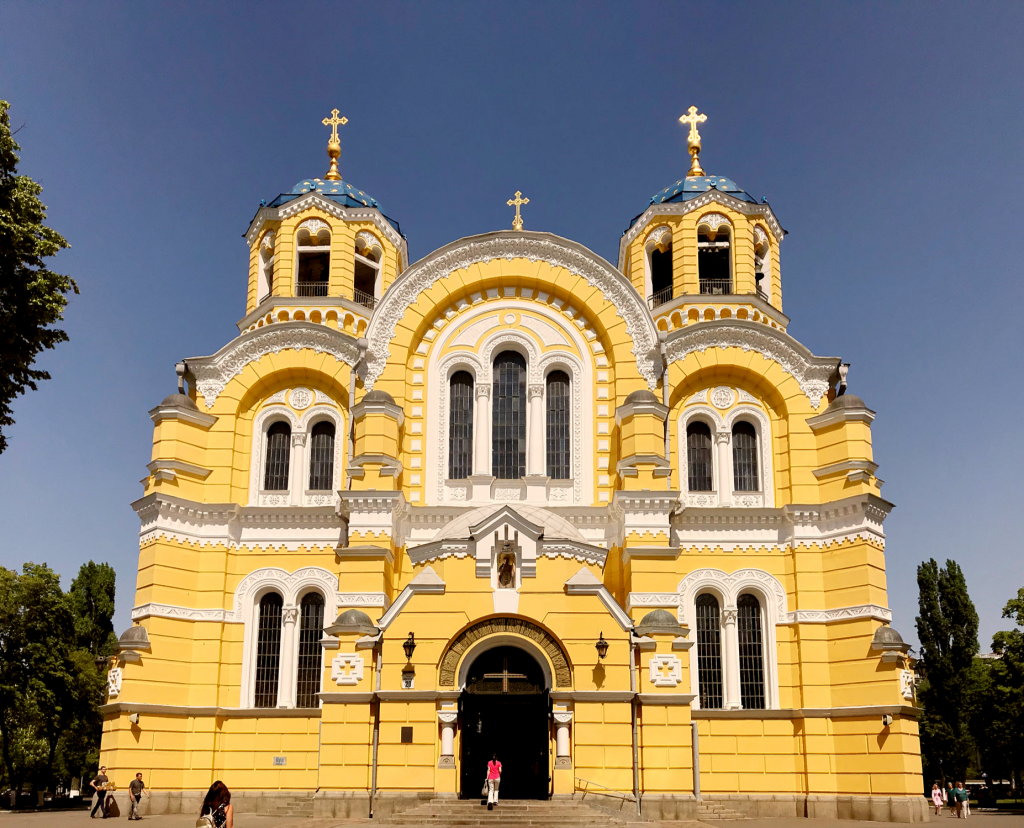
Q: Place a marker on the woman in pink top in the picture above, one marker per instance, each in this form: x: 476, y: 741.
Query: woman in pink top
x: 493, y: 780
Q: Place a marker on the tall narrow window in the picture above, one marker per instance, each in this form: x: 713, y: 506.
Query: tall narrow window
x: 321, y: 457
x: 307, y: 676
x: 268, y: 650
x: 661, y: 277
x: 508, y: 461
x: 460, y: 426
x: 559, y: 430
x: 275, y: 478
x: 314, y: 259
x: 698, y: 457
x: 709, y: 652
x: 744, y: 457
x: 713, y: 256
x: 366, y: 274
x: 748, y: 627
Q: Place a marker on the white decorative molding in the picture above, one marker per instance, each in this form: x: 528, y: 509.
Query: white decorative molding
x: 699, y: 397
x: 652, y: 600
x: 362, y: 599
x: 279, y: 397
x: 586, y: 582
x: 347, y: 669
x: 713, y: 221
x: 728, y: 586
x: 534, y: 247
x: 549, y: 335
x: 722, y: 397
x: 114, y: 682
x: 665, y: 670
x: 759, y: 235
x: 267, y: 242
x: 470, y: 335
x: 213, y: 373
x: 367, y: 240
x: 322, y: 398
x: 300, y: 398
x: 815, y: 375
x: 745, y: 397
x: 657, y: 236
x: 829, y: 616
x: 907, y: 684
x: 314, y: 226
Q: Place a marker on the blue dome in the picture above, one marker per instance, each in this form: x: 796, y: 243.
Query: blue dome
x: 690, y: 187
x: 339, y: 191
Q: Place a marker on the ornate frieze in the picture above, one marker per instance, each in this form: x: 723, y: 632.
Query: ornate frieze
x: 504, y: 626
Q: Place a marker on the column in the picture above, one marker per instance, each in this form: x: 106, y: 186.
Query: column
x: 723, y: 468
x: 481, y: 435
x: 286, y: 674
x: 563, y: 755
x: 535, y: 444
x: 730, y: 660
x: 447, y: 718
x: 297, y: 468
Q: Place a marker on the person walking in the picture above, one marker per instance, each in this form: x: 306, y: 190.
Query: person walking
x: 217, y: 811
x: 493, y: 781
x: 959, y: 794
x: 101, y: 794
x: 937, y: 798
x: 950, y: 798
x: 135, y: 790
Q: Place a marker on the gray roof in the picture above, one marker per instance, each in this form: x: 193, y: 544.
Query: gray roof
x: 353, y: 621
x: 180, y: 400
x: 134, y: 638
x: 642, y: 396
x: 846, y: 401
x: 658, y: 621
x: 378, y: 396
x: 886, y: 638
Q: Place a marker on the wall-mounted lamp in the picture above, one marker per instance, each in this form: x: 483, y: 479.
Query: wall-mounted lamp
x: 134, y: 718
x: 886, y: 720
x: 409, y: 645
x: 601, y: 645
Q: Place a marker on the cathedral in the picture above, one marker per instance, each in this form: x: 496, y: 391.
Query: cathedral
x: 607, y: 521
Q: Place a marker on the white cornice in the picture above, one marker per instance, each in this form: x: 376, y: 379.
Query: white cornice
x: 510, y: 245
x: 848, y: 467
x: 213, y: 373
x: 673, y: 600
x: 815, y: 375
x: 840, y: 415
x: 586, y: 582
x: 179, y: 412
x: 171, y: 469
x: 683, y: 207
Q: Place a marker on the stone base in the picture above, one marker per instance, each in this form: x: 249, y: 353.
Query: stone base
x: 668, y: 807
x: 822, y: 806
x: 189, y: 802
x: 356, y: 804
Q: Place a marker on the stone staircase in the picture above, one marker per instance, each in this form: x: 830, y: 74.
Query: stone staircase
x: 295, y: 805
x: 709, y: 809
x: 513, y: 812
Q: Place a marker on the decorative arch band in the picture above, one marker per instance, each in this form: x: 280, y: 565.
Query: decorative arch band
x: 503, y: 626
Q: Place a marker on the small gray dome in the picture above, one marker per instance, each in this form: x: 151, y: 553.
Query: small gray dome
x: 134, y: 638
x: 846, y: 401
x: 658, y: 621
x: 886, y: 638
x: 642, y: 396
x: 378, y: 396
x: 352, y: 621
x: 180, y: 401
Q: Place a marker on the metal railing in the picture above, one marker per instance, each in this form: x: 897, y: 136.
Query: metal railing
x: 660, y: 298
x: 365, y: 299
x: 587, y: 785
x: 311, y: 288
x: 715, y: 287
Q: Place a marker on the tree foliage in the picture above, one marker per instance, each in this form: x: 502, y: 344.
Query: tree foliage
x: 92, y: 597
x: 32, y: 297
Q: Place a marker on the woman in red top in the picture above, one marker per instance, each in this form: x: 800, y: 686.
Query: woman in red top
x: 493, y: 780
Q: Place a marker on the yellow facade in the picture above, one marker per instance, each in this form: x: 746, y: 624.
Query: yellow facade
x: 511, y: 446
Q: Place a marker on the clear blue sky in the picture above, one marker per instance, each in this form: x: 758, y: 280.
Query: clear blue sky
x: 886, y: 136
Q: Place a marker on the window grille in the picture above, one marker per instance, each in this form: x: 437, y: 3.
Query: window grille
x: 559, y: 428
x: 508, y: 460
x: 698, y: 457
x: 748, y: 626
x: 311, y: 629
x: 278, y: 455
x: 268, y: 650
x: 321, y: 458
x: 460, y: 426
x: 744, y: 457
x: 709, y: 652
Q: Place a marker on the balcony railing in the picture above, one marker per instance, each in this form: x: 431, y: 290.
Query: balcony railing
x: 660, y: 298
x: 365, y: 299
x: 311, y: 288
x: 715, y: 287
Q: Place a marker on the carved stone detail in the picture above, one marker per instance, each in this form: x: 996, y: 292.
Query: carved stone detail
x: 721, y: 397
x: 499, y: 626
x: 534, y: 390
x: 290, y: 614
x: 730, y: 584
x: 114, y: 681
x: 713, y: 221
x: 300, y: 398
x: 448, y: 717
x: 665, y: 670
x: 314, y: 226
x: 347, y: 669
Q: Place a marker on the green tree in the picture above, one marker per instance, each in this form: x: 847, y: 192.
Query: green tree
x: 92, y: 597
x: 1005, y: 731
x: 32, y: 297
x: 947, y: 628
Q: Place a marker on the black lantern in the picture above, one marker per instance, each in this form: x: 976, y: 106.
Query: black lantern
x: 602, y: 646
x: 409, y: 645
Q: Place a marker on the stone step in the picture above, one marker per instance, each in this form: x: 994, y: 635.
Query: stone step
x: 514, y: 813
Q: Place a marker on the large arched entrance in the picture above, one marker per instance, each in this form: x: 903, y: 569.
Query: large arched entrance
x: 504, y: 711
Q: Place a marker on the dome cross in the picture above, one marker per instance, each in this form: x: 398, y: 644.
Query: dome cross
x: 517, y: 222
x: 334, y: 144
x: 693, y: 144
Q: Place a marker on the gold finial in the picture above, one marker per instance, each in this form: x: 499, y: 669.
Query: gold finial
x: 334, y: 144
x: 517, y: 222
x: 692, y: 118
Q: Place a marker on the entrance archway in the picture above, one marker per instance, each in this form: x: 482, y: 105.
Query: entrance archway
x: 504, y: 710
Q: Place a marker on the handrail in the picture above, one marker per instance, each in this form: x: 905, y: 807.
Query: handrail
x: 586, y: 789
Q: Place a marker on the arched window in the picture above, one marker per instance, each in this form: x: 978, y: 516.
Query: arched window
x: 308, y: 672
x: 709, y: 652
x: 698, y: 457
x: 268, y: 650
x: 366, y: 276
x: 460, y: 426
x: 275, y: 478
x: 713, y: 259
x: 661, y: 276
x: 751, y: 652
x: 744, y: 457
x: 559, y: 428
x: 508, y: 461
x: 266, y: 259
x: 321, y: 457
x: 762, y: 265
x: 314, y: 258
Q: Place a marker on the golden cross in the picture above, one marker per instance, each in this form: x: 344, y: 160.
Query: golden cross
x: 333, y: 123
x: 517, y: 222
x: 693, y: 145
x: 504, y: 675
